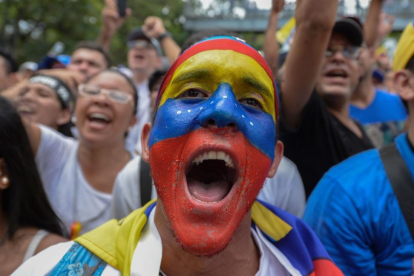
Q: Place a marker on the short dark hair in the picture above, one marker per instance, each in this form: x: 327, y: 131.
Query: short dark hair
x: 11, y: 64
x: 410, y: 64
x: 24, y: 203
x: 155, y: 78
x: 94, y: 46
x: 128, y: 79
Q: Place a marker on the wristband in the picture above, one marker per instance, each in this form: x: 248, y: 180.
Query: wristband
x: 164, y: 35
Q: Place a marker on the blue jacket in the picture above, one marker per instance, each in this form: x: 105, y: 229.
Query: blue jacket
x: 356, y: 215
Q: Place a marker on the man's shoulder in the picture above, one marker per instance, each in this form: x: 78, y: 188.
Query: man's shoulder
x: 357, y: 168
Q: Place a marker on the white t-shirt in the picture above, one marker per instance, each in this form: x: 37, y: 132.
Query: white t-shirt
x: 143, y: 116
x: 71, y: 196
x: 148, y: 254
x: 285, y: 190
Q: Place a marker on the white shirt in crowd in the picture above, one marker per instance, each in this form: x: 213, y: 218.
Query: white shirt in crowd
x: 146, y: 260
x: 143, y: 116
x: 71, y: 196
x: 285, y: 190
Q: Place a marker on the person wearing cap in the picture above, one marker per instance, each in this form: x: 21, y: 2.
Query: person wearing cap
x: 320, y: 76
x: 367, y: 102
x: 46, y: 100
x: 210, y: 149
x: 8, y: 69
x: 354, y: 209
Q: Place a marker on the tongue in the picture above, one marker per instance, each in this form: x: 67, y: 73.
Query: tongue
x: 97, y: 124
x: 213, y: 192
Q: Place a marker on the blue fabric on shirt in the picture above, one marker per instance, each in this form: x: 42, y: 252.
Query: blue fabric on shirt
x: 384, y: 108
x: 356, y: 215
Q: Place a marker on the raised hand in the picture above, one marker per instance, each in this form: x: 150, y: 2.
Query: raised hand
x: 110, y: 17
x: 385, y: 25
x: 153, y: 27
x: 277, y: 5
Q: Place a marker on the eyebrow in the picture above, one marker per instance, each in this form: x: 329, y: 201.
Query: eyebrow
x: 256, y: 84
x: 194, y: 74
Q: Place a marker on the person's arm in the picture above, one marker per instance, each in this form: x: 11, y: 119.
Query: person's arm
x: 314, y: 23
x: 111, y: 23
x: 372, y: 22
x: 154, y: 28
x: 270, y: 46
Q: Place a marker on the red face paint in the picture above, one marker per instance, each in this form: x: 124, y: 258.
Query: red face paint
x: 203, y: 228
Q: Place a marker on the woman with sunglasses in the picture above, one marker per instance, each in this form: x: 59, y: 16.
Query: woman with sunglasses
x: 78, y: 175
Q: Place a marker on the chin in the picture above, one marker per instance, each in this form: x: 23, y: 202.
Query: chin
x: 207, y: 181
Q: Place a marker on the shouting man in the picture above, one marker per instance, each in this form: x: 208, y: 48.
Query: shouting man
x: 211, y: 147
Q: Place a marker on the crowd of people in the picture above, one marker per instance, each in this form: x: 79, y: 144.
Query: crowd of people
x: 212, y: 158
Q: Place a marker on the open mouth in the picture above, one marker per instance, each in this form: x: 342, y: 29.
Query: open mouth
x: 337, y: 73
x: 23, y: 109
x: 99, y: 119
x: 139, y: 57
x: 211, y: 176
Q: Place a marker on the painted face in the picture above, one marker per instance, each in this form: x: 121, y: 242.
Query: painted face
x: 213, y: 141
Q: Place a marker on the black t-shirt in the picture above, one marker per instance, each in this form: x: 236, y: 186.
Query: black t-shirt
x: 319, y: 142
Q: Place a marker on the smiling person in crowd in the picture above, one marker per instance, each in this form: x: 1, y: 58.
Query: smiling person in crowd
x: 78, y: 175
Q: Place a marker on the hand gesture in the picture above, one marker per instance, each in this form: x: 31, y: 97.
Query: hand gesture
x: 71, y: 78
x: 153, y: 27
x: 385, y: 25
x: 110, y: 17
x: 277, y: 5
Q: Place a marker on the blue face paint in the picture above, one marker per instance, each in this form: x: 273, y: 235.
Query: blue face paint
x: 177, y: 117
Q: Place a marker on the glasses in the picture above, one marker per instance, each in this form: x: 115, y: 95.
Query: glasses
x: 113, y: 95
x: 140, y: 44
x: 347, y: 52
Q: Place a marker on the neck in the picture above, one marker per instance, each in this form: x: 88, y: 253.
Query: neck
x: 364, y: 94
x: 3, y: 225
x: 140, y: 76
x: 241, y: 256
x: 103, y: 156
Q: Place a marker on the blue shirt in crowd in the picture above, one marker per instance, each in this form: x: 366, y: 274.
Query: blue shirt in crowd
x: 356, y: 215
x: 383, y: 120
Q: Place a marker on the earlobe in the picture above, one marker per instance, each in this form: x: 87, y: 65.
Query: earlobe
x: 276, y: 161
x: 145, y: 134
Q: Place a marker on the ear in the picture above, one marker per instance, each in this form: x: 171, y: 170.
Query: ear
x: 276, y: 161
x: 64, y: 117
x: 404, y: 84
x: 145, y: 134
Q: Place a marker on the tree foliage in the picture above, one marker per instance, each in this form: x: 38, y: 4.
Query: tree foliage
x: 29, y: 28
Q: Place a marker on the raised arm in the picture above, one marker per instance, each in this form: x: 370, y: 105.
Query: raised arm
x: 271, y: 47
x: 314, y: 23
x: 111, y: 23
x: 154, y: 28
x: 372, y: 22
x: 32, y: 129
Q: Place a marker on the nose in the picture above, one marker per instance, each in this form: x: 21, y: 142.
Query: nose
x: 222, y: 110
x: 338, y: 56
x: 28, y: 94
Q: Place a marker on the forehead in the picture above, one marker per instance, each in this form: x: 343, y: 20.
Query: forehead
x: 339, y: 39
x: 88, y: 54
x: 217, y: 66
x: 111, y: 80
x: 40, y: 86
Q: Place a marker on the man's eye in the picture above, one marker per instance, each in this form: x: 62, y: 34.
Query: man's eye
x: 252, y: 102
x: 194, y: 93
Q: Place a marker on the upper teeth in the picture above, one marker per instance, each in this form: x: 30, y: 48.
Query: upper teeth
x: 99, y: 116
x: 25, y: 109
x: 214, y: 155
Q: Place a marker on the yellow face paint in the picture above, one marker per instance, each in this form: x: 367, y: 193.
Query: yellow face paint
x: 207, y: 70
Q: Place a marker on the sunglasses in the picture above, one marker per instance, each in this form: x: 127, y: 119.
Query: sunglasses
x: 113, y: 95
x: 140, y: 44
x: 347, y: 52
